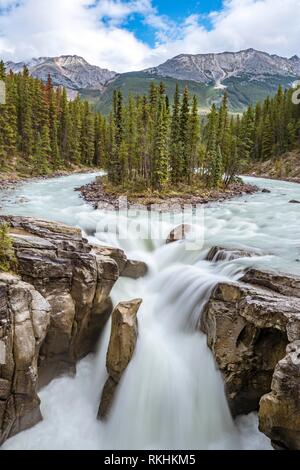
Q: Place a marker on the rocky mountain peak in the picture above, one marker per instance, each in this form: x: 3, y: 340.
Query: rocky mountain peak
x: 70, y: 71
x: 217, y: 67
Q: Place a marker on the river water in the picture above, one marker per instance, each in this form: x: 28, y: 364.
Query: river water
x: 171, y: 396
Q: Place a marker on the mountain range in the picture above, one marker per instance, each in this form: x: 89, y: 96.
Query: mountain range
x: 248, y: 76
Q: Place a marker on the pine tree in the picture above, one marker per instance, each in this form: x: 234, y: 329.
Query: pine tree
x: 42, y: 154
x: 2, y: 71
x: 144, y: 142
x: 223, y: 120
x: 64, y: 127
x: 175, y: 148
x: 118, y: 136
x: 143, y: 147
x: 87, y: 135
x: 184, y: 135
x: 53, y: 127
x: 99, y: 142
x: 217, y: 169
x: 211, y: 139
x: 113, y: 157
x: 26, y: 121
x: 267, y: 139
x: 246, y: 135
x: 161, y: 164
x: 131, y: 137
x: 194, y: 139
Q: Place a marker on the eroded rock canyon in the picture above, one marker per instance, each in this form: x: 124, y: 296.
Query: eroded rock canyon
x: 53, y: 310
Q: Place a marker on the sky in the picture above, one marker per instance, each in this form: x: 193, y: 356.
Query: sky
x: 127, y: 35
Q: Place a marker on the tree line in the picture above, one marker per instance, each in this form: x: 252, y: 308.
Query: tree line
x: 155, y: 144
x: 145, y: 142
x: 39, y: 124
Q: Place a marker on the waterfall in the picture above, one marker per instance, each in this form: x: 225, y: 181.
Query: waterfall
x: 172, y: 395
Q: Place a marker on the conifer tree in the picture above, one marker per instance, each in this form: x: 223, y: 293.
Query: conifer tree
x: 131, y: 138
x: 175, y: 147
x: 42, y: 154
x: 161, y: 164
x: 64, y: 126
x: 2, y: 70
x: 145, y: 142
x: 267, y: 139
x: 87, y: 135
x: 113, y: 160
x: 53, y: 127
x: 217, y: 169
x: 184, y: 135
x: 194, y: 139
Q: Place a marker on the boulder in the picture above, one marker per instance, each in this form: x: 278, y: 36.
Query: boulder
x: 116, y: 254
x: 281, y: 283
x: 124, y: 333
x: 248, y: 329
x: 178, y: 233
x: 135, y: 269
x: 127, y: 268
x: 279, y: 413
x: 24, y: 322
x: 76, y: 282
x: 218, y: 253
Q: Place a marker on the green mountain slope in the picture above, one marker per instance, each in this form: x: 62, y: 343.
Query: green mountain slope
x: 242, y: 91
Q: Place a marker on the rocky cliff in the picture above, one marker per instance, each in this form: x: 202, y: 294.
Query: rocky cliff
x: 24, y: 322
x: 122, y: 344
x: 207, y: 68
x: 72, y: 72
x: 253, y: 330
x: 53, y: 310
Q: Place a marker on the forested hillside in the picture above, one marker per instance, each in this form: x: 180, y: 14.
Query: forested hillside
x: 147, y: 141
x: 157, y: 145
x: 41, y: 131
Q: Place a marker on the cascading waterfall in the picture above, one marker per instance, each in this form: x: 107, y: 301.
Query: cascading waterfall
x: 171, y: 396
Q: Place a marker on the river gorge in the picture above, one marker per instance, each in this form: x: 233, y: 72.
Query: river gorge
x: 172, y: 395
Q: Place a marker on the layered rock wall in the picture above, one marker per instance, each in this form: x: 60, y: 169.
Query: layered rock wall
x: 24, y: 322
x: 253, y: 330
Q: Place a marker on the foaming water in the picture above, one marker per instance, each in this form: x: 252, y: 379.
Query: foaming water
x: 171, y: 396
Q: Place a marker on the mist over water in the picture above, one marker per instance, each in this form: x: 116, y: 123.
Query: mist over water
x: 171, y: 396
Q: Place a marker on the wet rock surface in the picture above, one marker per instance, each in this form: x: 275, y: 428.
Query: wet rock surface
x: 253, y: 329
x: 52, y: 313
x: 59, y: 263
x: 179, y: 233
x: 218, y: 253
x: 279, y: 415
x: 127, y: 267
x: 24, y: 322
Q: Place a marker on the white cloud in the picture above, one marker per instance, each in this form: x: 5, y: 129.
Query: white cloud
x: 50, y: 28
x: 96, y: 30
